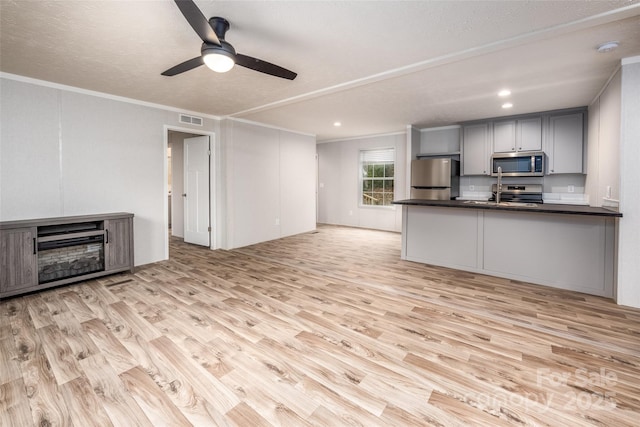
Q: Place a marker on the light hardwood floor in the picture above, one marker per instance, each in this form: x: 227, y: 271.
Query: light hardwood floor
x: 326, y: 328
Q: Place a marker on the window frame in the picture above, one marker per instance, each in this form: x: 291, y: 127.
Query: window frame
x: 362, y: 159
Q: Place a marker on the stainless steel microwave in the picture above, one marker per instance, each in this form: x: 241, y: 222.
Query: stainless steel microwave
x: 523, y: 163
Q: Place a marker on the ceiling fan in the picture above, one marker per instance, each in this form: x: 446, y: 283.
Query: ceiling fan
x: 216, y: 53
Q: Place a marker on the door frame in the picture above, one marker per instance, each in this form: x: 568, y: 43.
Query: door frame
x: 212, y: 183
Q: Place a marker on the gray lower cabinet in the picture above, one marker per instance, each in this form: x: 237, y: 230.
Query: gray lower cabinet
x: 574, y: 252
x: 41, y: 253
x: 118, y: 243
x: 18, y: 259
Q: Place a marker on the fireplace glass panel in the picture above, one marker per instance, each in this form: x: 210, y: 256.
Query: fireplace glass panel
x: 71, y: 258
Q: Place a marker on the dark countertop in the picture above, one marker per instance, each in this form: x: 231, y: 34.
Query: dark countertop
x: 540, y: 208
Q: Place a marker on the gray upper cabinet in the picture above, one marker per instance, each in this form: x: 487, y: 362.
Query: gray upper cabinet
x: 18, y: 259
x: 517, y: 135
x: 529, y: 134
x: 559, y: 134
x: 504, y: 136
x: 565, y: 143
x: 476, y: 149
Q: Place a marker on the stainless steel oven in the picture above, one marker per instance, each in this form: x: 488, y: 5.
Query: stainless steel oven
x: 523, y: 193
x: 524, y: 163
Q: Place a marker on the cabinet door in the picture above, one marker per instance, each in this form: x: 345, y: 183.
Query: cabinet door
x: 529, y: 134
x: 475, y: 149
x: 118, y: 244
x: 566, y: 143
x: 504, y: 136
x: 18, y: 259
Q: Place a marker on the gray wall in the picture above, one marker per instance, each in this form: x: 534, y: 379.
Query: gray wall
x: 338, y: 178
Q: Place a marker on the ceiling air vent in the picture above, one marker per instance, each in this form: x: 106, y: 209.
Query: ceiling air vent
x: 192, y: 120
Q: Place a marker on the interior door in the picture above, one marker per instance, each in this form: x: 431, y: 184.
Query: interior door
x: 196, y: 191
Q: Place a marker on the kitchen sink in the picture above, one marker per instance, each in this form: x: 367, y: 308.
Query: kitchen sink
x: 479, y: 202
x: 515, y: 204
x: 529, y: 205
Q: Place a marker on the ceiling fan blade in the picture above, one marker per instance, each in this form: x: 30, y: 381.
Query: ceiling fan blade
x: 264, y: 67
x: 198, y: 22
x: 185, y: 66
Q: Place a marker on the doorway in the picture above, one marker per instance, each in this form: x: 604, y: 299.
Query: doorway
x: 177, y: 182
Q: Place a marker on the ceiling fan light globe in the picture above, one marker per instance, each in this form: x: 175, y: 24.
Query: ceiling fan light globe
x: 219, y: 62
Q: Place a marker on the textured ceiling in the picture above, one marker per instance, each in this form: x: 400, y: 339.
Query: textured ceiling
x: 374, y: 66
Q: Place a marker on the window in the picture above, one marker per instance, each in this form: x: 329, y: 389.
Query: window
x: 377, y: 168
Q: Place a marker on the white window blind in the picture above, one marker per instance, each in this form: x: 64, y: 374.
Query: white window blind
x: 378, y: 156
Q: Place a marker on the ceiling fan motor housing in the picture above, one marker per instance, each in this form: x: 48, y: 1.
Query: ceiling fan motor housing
x: 220, y: 26
x: 224, y: 49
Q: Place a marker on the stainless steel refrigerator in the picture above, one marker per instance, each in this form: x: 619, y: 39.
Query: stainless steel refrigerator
x: 435, y: 179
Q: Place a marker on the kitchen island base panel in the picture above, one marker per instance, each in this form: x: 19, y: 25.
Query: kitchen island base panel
x: 567, y: 252
x: 444, y: 239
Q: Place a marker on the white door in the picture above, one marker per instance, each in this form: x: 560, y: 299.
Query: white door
x: 196, y: 191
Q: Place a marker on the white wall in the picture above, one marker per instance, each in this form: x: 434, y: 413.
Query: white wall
x: 65, y: 151
x: 338, y: 178
x: 629, y: 235
x: 69, y: 152
x: 603, y: 146
x: 297, y: 183
x: 270, y: 175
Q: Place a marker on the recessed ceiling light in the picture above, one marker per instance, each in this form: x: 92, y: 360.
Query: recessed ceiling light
x: 608, y: 46
x: 507, y: 105
x: 504, y: 92
x: 337, y: 124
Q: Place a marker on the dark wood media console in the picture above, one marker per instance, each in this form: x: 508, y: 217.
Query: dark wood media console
x: 38, y: 254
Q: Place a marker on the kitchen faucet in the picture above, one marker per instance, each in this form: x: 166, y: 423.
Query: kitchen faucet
x: 499, y: 186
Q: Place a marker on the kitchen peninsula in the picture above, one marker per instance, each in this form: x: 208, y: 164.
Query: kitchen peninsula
x: 563, y: 246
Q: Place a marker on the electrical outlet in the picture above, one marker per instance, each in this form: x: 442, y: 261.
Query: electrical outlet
x: 277, y: 221
x: 571, y: 189
x: 472, y: 187
x: 350, y: 213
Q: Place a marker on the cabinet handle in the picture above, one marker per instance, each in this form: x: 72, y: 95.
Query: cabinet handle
x: 35, y: 246
x: 106, y: 240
